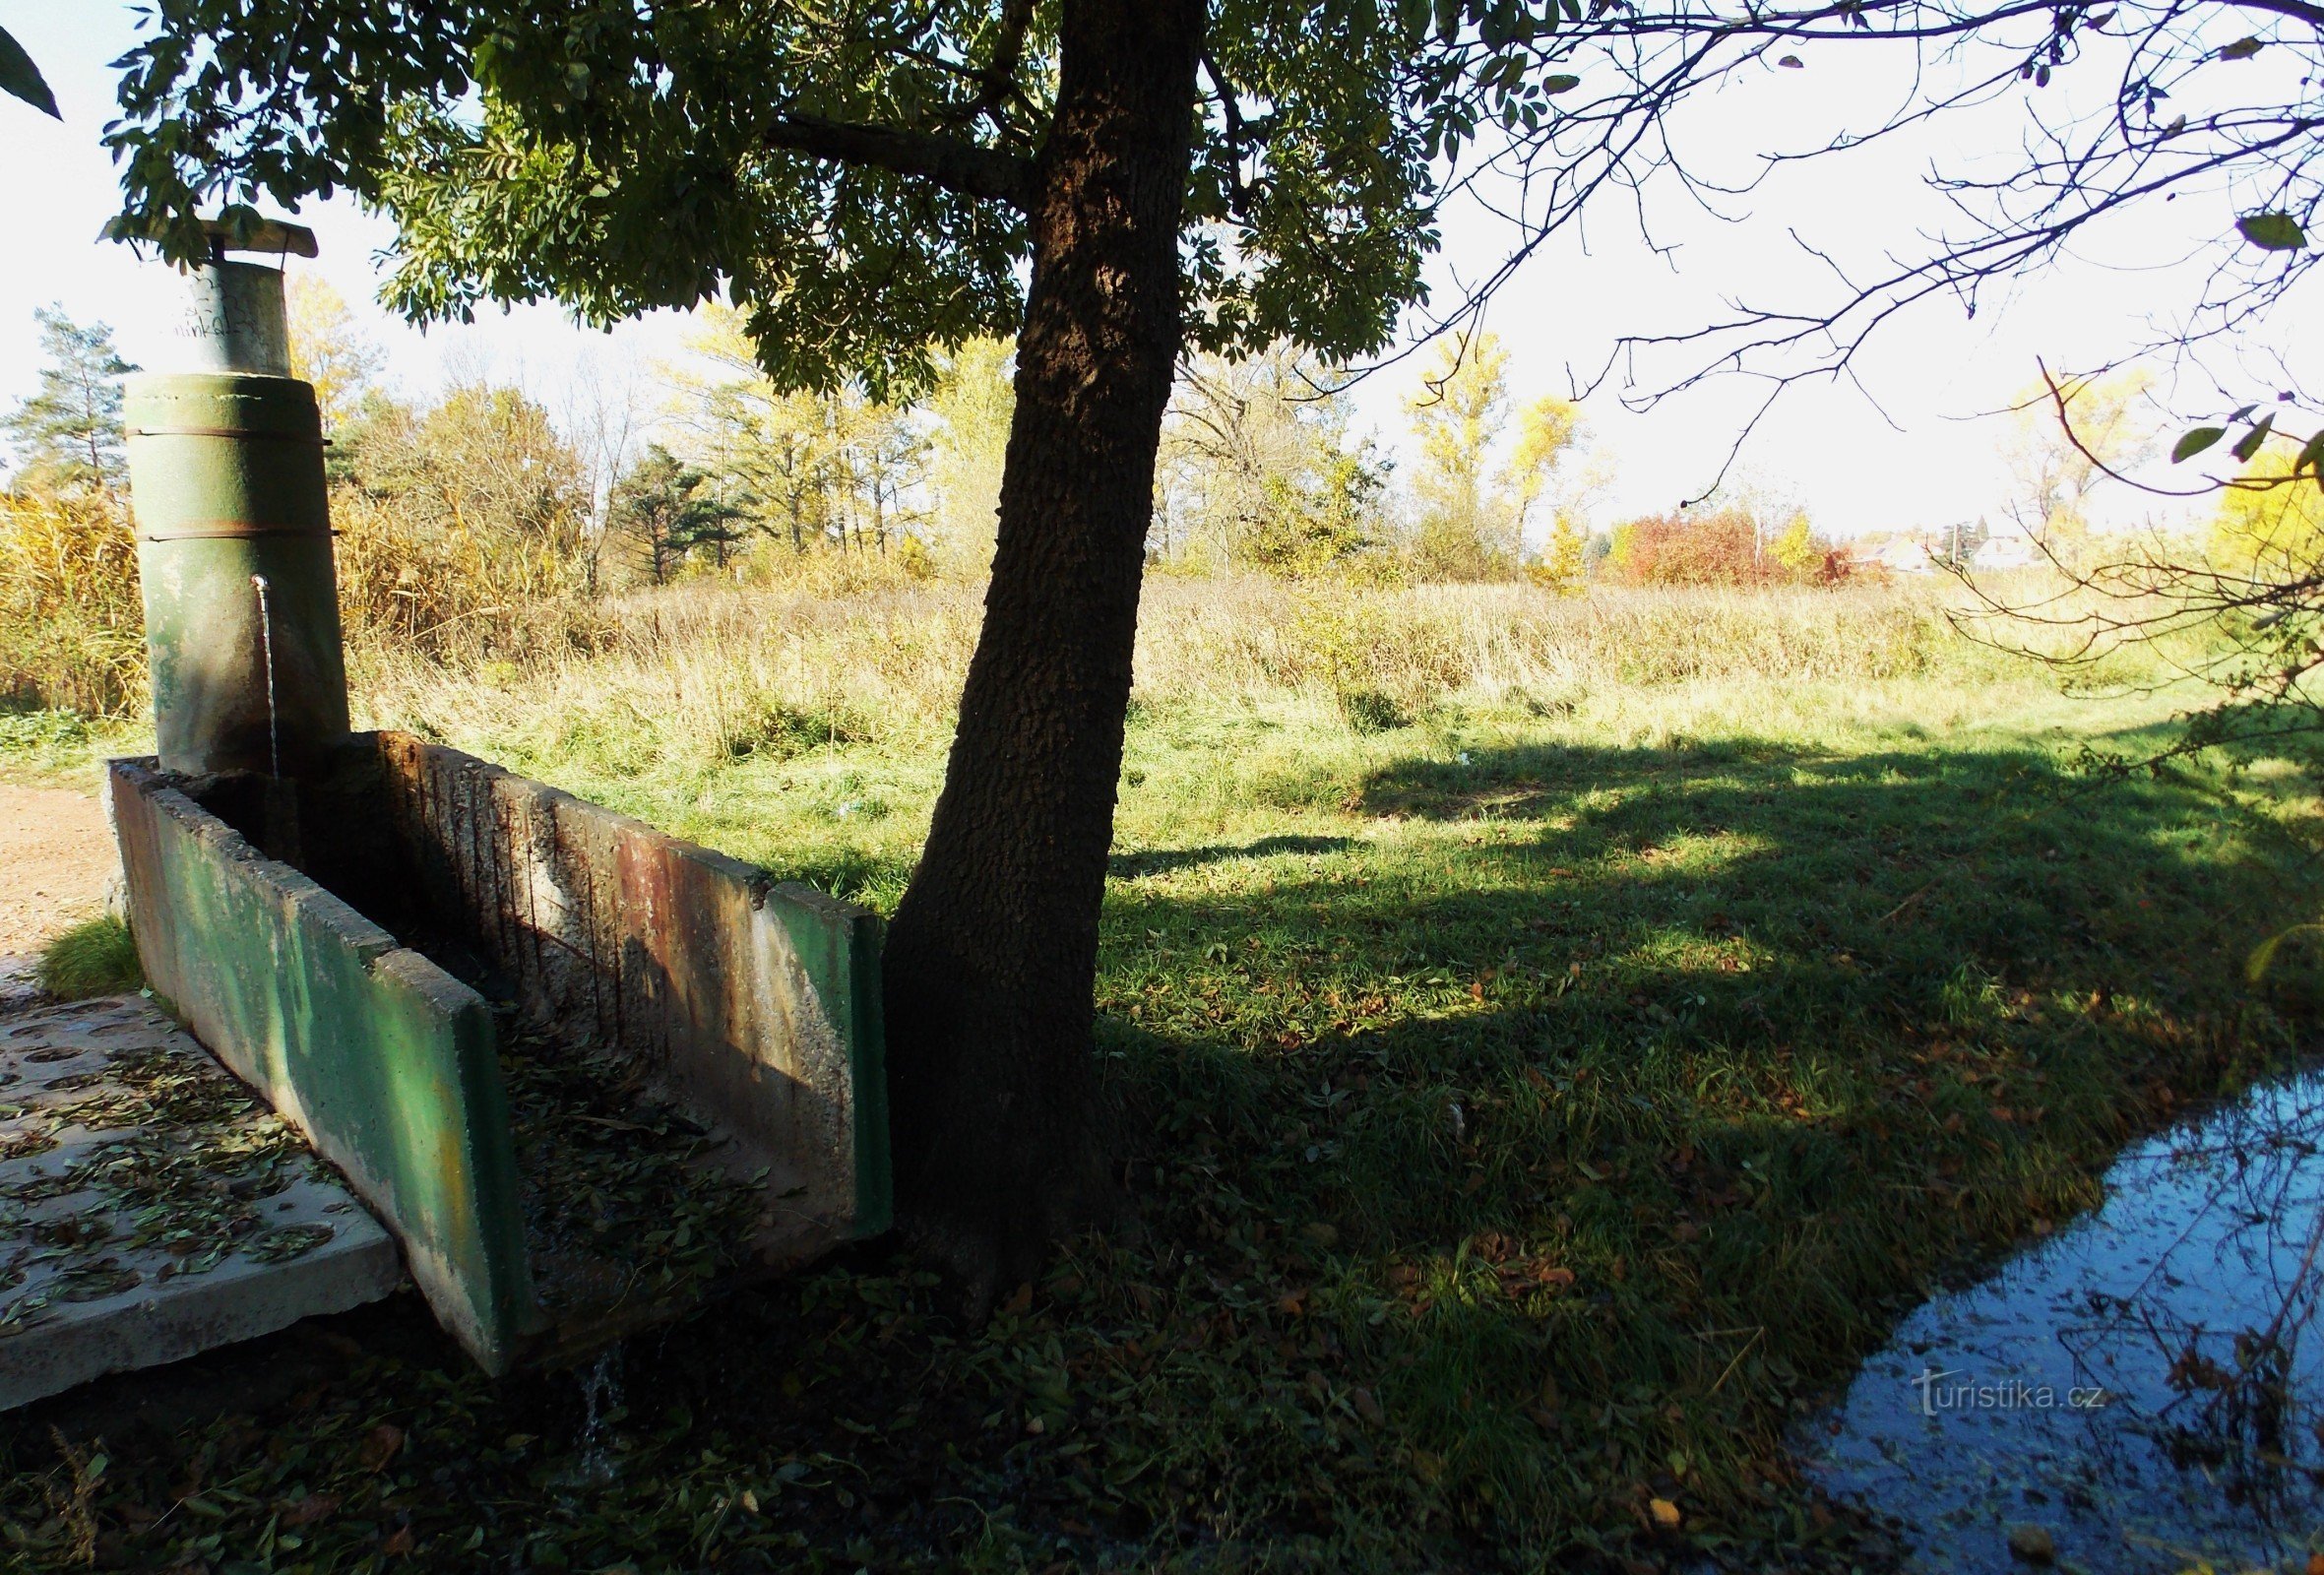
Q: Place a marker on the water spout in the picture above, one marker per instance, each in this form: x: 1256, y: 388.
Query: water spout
x: 266, y: 636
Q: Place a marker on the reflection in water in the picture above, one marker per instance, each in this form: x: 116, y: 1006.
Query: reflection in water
x: 2146, y: 1389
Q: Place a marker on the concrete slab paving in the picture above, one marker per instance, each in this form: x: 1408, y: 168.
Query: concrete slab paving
x: 152, y: 1207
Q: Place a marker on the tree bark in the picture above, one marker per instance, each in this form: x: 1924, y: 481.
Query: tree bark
x: 992, y: 961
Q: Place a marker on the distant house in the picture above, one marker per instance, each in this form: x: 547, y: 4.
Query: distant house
x: 1904, y: 555
x: 2006, y: 552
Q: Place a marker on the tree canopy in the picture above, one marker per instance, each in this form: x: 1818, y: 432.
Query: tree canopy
x: 859, y: 177
x: 856, y: 178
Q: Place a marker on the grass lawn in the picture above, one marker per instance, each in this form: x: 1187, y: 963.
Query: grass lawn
x: 1524, y: 1115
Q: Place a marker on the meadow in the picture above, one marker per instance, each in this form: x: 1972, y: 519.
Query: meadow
x: 1548, y: 1040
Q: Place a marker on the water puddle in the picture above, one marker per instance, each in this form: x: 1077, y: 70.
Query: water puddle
x: 2142, y: 1393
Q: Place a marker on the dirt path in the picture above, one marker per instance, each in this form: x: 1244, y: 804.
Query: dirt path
x: 56, y: 858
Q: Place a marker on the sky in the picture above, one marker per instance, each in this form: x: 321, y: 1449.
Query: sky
x: 1913, y: 441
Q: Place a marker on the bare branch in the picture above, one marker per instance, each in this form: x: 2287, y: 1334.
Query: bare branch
x: 2058, y: 397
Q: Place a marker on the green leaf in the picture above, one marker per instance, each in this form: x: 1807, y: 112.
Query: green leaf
x: 22, y: 79
x: 2195, y: 442
x: 1562, y: 82
x: 2311, y: 458
x: 2276, y: 232
x: 2240, y: 49
x: 2248, y: 443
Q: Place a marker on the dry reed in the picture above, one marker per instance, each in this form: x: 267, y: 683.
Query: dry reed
x: 706, y: 672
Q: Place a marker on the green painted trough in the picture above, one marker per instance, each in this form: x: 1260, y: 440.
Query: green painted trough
x: 552, y: 1047
x: 585, y: 1073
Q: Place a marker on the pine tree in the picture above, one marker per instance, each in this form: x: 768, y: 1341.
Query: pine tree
x: 666, y: 509
x: 67, y: 436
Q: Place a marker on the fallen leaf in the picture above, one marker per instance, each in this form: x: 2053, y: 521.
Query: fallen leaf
x: 1022, y: 1301
x: 2033, y: 1543
x: 310, y: 1509
x: 380, y: 1446
x: 397, y: 1545
x: 1666, y: 1514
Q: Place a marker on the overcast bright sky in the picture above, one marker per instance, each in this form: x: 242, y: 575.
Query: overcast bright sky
x: 1912, y: 446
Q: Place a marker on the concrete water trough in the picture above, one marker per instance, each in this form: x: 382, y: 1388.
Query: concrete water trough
x: 584, y: 1072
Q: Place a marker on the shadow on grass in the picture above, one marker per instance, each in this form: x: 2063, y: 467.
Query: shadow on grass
x: 1600, y: 1051
x: 1164, y: 862
x: 1540, y: 1153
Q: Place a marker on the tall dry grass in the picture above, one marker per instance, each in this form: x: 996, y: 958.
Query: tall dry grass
x: 72, y: 621
x: 704, y: 673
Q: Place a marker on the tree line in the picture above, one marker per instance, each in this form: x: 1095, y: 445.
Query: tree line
x: 465, y: 514
x: 454, y: 507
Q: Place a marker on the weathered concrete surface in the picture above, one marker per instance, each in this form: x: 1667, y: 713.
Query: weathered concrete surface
x: 152, y: 1208
x: 19, y: 984
x: 753, y: 1006
x: 385, y: 1061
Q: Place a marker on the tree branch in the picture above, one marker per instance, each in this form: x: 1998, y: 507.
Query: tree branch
x: 2065, y: 420
x: 2296, y: 10
x: 1238, y: 195
x: 947, y: 162
x: 1000, y: 71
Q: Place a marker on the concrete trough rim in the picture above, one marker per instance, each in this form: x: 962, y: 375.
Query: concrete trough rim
x: 822, y: 951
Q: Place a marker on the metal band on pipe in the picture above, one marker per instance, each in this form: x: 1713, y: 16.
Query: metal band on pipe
x: 230, y: 530
x: 232, y: 431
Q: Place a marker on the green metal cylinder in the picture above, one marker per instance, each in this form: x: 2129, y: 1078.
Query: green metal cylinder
x: 233, y: 525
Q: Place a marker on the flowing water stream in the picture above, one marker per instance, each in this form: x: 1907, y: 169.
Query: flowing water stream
x: 593, y: 1465
x: 2144, y: 1392
x: 266, y: 637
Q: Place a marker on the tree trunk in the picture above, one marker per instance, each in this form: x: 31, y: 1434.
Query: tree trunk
x: 992, y: 958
